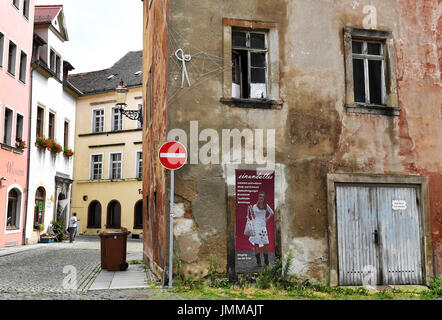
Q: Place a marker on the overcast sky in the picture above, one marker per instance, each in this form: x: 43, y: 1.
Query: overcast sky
x: 100, y: 31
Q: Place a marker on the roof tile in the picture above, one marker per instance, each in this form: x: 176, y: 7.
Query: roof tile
x: 100, y: 81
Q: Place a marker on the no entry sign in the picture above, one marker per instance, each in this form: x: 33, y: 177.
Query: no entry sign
x: 172, y: 155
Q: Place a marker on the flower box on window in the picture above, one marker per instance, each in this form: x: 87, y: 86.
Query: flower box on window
x: 20, y: 144
x: 54, y: 147
x: 42, y: 143
x: 68, y: 152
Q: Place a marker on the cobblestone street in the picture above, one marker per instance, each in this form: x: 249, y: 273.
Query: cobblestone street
x: 36, y: 272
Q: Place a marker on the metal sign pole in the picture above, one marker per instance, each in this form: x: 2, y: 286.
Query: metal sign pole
x: 172, y: 178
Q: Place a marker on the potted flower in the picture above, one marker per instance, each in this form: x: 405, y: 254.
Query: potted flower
x: 68, y: 152
x: 54, y: 147
x: 41, y: 142
x: 20, y: 144
x: 47, y: 238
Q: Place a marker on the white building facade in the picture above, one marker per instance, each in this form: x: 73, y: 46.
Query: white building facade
x: 52, y: 125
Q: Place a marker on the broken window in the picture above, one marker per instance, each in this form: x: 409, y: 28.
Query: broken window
x: 249, y: 64
x: 368, y: 72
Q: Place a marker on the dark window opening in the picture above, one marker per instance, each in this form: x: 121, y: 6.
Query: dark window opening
x: 94, y: 215
x: 368, y: 77
x: 19, y: 128
x: 2, y: 45
x: 114, y: 215
x: 51, y: 125
x: 26, y: 8
x: 23, y: 67
x: 13, y: 209
x: 7, y: 134
x: 12, y: 57
x: 66, y: 134
x: 138, y: 219
x: 40, y: 115
x: 249, y: 65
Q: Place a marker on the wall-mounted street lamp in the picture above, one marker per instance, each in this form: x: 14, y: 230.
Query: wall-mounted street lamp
x: 121, y: 93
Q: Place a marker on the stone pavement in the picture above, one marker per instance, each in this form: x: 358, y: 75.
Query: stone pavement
x: 36, y: 272
x: 134, y: 277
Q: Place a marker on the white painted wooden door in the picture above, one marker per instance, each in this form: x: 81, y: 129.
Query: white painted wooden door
x: 379, y: 235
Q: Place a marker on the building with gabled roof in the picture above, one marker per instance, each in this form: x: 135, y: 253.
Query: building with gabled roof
x: 108, y: 163
x: 53, y: 107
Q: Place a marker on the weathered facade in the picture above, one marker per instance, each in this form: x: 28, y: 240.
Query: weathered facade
x: 337, y: 122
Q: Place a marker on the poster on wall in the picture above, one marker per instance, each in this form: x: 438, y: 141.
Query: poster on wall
x: 255, y: 231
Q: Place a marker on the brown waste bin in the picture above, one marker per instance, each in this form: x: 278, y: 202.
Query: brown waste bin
x: 113, y: 250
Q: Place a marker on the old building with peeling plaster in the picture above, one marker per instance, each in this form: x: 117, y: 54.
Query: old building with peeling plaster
x: 352, y: 90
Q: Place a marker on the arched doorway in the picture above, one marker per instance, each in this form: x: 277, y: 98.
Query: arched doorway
x: 14, y: 209
x: 94, y: 215
x: 39, y: 206
x: 113, y: 215
x: 138, y: 215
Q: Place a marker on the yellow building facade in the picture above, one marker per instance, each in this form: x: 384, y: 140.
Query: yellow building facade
x: 106, y: 193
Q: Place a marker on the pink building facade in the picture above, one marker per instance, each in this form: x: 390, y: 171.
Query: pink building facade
x: 16, y: 34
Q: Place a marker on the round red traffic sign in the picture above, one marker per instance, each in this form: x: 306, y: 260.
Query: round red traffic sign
x: 172, y: 155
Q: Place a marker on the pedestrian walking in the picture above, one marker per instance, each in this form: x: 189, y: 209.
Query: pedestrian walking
x: 72, y: 227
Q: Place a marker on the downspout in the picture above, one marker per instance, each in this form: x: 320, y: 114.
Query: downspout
x: 29, y: 153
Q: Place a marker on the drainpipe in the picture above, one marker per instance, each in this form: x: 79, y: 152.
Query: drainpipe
x: 29, y: 153
x: 435, y: 263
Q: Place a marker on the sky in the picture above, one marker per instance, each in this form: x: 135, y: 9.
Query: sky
x: 100, y: 31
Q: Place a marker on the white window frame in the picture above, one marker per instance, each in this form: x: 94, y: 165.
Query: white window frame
x: 113, y: 114
x: 68, y: 134
x: 17, y: 7
x: 137, y: 163
x: 111, y: 163
x: 28, y: 7
x: 12, y: 136
x: 25, y: 68
x: 91, y: 165
x: 22, y: 128
x: 51, y: 111
x: 43, y: 123
x: 20, y: 211
x: 365, y: 57
x: 93, y: 120
x: 2, y: 49
x: 17, y: 49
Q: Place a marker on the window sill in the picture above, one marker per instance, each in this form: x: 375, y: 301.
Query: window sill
x: 373, y: 109
x: 108, y: 132
x: 11, y: 148
x: 252, y: 103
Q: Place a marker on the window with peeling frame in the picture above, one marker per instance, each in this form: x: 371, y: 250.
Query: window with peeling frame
x: 249, y: 64
x: 368, y: 72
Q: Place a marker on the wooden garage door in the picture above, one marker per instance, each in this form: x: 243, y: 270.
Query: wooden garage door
x: 379, y: 234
